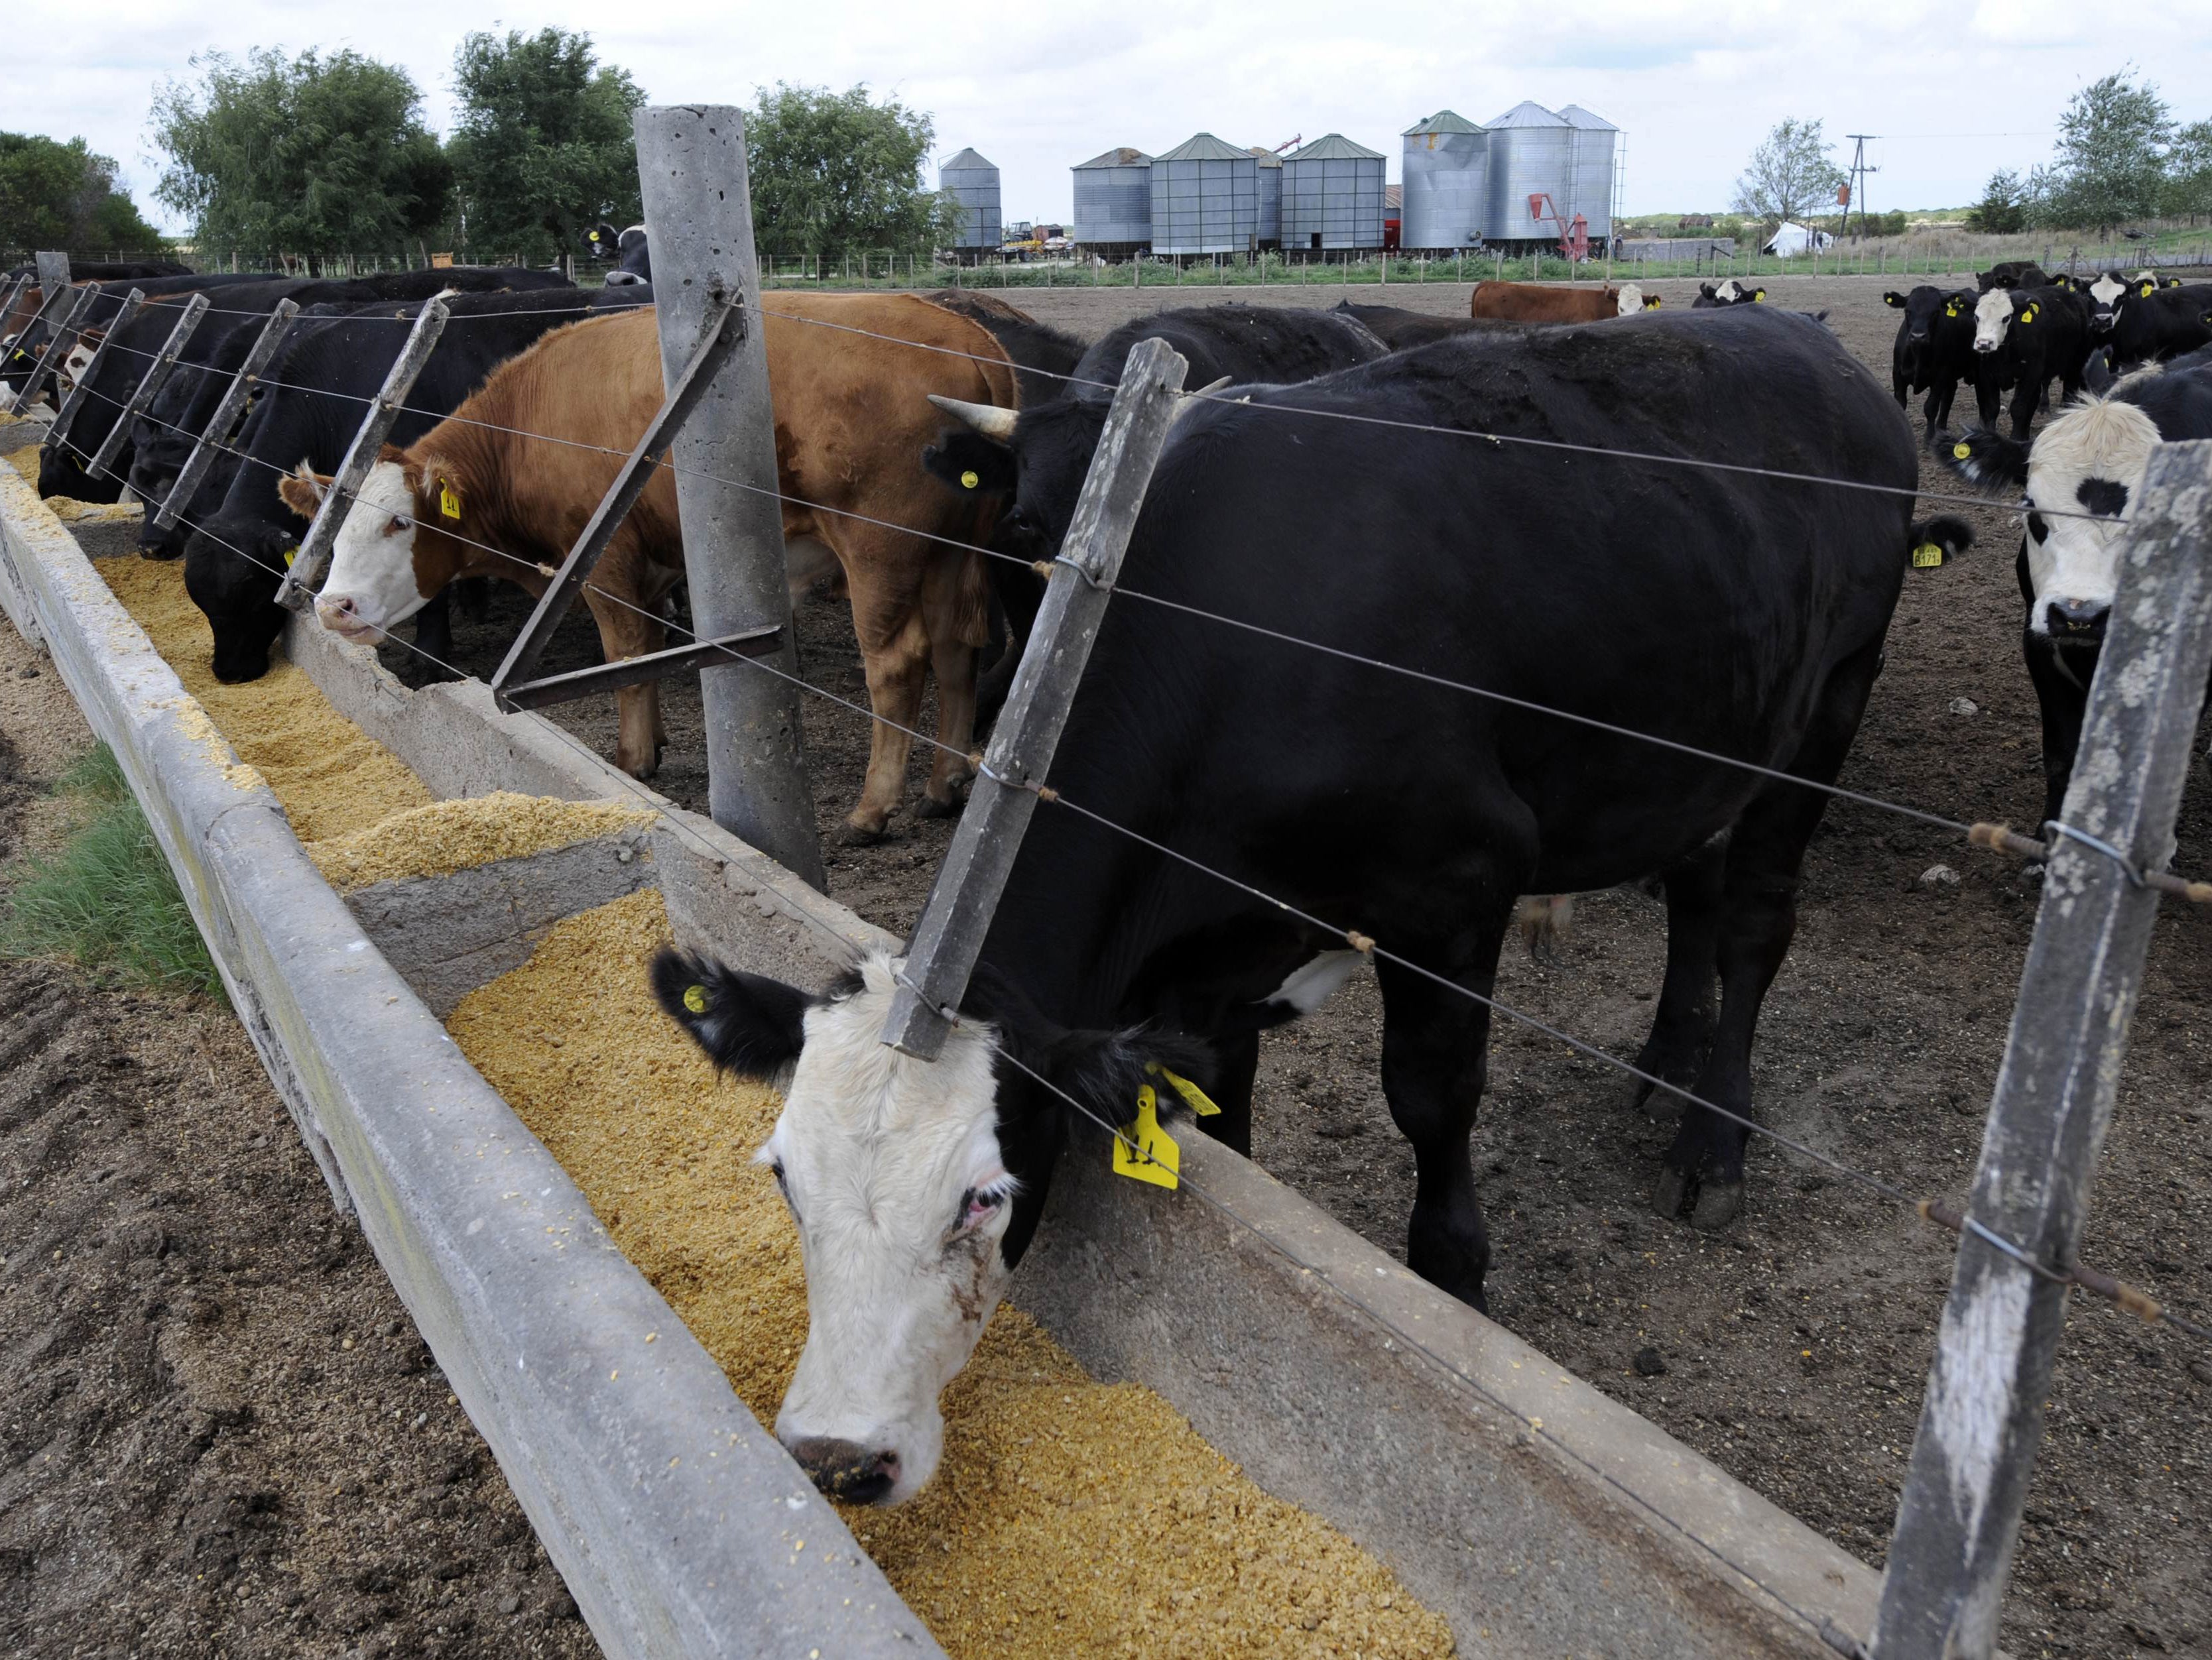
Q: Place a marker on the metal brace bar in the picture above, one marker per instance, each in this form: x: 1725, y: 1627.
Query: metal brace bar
x: 720, y: 337
x: 312, y: 563
x: 148, y: 384
x: 217, y: 432
x: 53, y: 349
x: 80, y: 394
x: 636, y: 671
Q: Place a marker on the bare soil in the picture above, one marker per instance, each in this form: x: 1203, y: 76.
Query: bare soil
x: 220, y: 1434
x: 1790, y: 1347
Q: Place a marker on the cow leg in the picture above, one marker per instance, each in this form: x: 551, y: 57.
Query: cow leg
x: 1237, y: 1064
x: 1682, y: 1029
x: 2024, y: 403
x: 1758, y: 916
x: 956, y: 613
x: 1940, y: 395
x: 895, y: 667
x: 2062, y: 695
x: 1435, y: 1059
x: 630, y: 631
x: 433, y: 628
x: 1988, y: 397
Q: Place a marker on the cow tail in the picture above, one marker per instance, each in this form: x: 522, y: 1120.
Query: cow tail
x: 973, y: 603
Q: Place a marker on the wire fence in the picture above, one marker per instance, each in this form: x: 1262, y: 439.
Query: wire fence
x: 1994, y: 837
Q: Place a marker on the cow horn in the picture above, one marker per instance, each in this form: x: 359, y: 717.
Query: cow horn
x: 1190, y: 399
x: 988, y: 419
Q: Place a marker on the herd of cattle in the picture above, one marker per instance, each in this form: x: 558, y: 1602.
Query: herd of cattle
x: 1348, y: 489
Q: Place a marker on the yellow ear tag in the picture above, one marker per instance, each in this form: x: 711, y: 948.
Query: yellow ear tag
x: 970, y: 479
x: 1157, y: 1159
x: 1193, y: 1096
x: 1951, y: 310
x: 1927, y: 556
x: 448, y: 503
x: 694, y: 999
x: 291, y: 553
x: 1758, y: 295
x: 1961, y: 451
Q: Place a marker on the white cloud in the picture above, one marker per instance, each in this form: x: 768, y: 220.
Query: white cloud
x: 1036, y: 88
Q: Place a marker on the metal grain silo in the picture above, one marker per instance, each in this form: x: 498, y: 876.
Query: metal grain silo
x: 1333, y: 195
x: 1590, y: 187
x: 974, y: 184
x: 1447, y: 188
x: 1271, y: 197
x: 1114, y: 202
x: 1531, y: 149
x: 1205, y: 198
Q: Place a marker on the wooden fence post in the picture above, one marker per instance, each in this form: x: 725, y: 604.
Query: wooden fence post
x: 965, y: 895
x: 216, y: 434
x: 698, y: 217
x: 149, y: 383
x: 80, y: 394
x: 63, y: 324
x: 311, y: 564
x: 1981, y: 1421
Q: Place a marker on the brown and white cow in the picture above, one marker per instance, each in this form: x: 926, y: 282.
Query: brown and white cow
x: 1542, y: 302
x: 852, y: 419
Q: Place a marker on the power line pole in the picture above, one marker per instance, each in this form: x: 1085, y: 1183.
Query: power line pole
x: 1859, y: 171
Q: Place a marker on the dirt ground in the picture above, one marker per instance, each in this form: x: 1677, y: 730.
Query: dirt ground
x: 220, y: 1434
x: 1791, y: 1348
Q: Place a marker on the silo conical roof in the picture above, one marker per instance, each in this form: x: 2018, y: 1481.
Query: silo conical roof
x: 1264, y: 156
x: 965, y: 158
x: 1335, y: 147
x: 1203, y: 147
x: 1576, y: 116
x: 1123, y: 157
x: 1529, y: 113
x: 1441, y: 121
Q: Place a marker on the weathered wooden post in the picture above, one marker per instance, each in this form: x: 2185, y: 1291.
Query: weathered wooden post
x: 1982, y: 1419
x: 218, y: 432
x: 965, y: 896
x: 698, y: 218
x: 312, y: 562
x: 63, y: 324
x: 149, y: 383
x: 80, y: 394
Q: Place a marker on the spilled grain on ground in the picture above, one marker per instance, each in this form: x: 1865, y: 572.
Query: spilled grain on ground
x: 1069, y: 1516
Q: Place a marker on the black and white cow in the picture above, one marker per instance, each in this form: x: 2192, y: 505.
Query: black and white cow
x: 1933, y: 350
x: 633, y: 259
x: 2152, y: 323
x: 1711, y: 295
x: 1734, y: 613
x: 2089, y: 461
x: 2023, y: 338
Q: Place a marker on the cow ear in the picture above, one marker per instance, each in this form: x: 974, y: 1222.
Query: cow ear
x: 1988, y: 459
x: 971, y: 464
x: 1757, y: 295
x: 302, y: 490
x: 1651, y: 302
x: 2147, y: 289
x: 1105, y: 1070
x: 745, y: 1023
x: 1891, y: 297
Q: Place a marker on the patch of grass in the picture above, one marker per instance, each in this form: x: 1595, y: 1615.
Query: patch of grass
x: 108, y: 900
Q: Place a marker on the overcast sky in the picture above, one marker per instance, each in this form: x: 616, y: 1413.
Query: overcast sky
x: 1037, y: 87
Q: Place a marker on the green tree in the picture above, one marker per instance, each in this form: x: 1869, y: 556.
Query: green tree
x: 2003, y: 207
x: 54, y: 195
x: 543, y: 148
x: 310, y: 154
x: 836, y: 174
x: 2110, y: 165
x: 1791, y: 175
x: 2189, y: 171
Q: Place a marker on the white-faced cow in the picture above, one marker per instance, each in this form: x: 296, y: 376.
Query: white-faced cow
x: 1730, y: 612
x: 2023, y: 337
x: 1713, y: 295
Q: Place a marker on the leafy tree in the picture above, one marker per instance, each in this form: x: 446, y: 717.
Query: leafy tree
x: 311, y: 154
x: 1790, y: 174
x: 543, y: 148
x: 54, y: 195
x: 835, y: 173
x: 2110, y: 161
x: 2003, y: 207
x: 2188, y: 171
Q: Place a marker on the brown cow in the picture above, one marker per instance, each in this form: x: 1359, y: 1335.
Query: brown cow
x: 1542, y: 302
x: 852, y: 419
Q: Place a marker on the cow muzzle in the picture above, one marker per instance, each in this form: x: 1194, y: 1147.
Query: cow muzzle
x: 847, y: 1471
x: 2076, y: 620
x: 341, y: 614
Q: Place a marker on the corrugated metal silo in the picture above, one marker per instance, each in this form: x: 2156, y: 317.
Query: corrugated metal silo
x: 974, y: 183
x: 1271, y: 197
x: 1333, y: 195
x: 1113, y: 202
x: 1206, y: 197
x: 1447, y: 191
x: 1590, y: 188
x: 1530, y: 150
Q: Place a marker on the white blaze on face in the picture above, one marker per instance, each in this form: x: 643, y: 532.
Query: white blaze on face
x: 1992, y: 316
x: 373, y: 566
x: 75, y: 364
x: 1631, y: 300
x: 1726, y: 292
x: 894, y: 1174
x: 2104, y: 292
x: 2091, y: 459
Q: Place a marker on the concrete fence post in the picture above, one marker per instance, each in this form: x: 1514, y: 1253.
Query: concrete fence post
x: 698, y: 217
x: 1981, y: 1421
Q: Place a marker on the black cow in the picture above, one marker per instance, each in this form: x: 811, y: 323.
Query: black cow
x: 1711, y: 296
x: 2152, y: 323
x: 2023, y: 338
x: 2089, y: 460
x: 110, y: 271
x: 21, y: 353
x: 1043, y: 356
x: 632, y: 259
x: 1398, y: 328
x: 241, y: 533
x: 1933, y: 350
x: 2012, y: 274
x: 1739, y: 614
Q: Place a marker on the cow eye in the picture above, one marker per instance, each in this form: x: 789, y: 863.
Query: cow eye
x: 399, y: 522
x: 978, y: 1205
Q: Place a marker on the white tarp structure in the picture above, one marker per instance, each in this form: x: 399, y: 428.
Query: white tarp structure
x: 1791, y: 240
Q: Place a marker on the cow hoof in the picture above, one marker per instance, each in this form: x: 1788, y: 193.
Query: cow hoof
x: 1718, y: 1204
x: 1666, y: 1198
x: 930, y: 808
x: 850, y: 834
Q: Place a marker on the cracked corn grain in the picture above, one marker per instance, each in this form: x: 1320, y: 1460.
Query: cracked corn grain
x: 1069, y: 1517
x: 332, y: 778
x: 446, y: 836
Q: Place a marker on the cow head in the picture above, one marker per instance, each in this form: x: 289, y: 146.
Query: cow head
x: 392, y: 553
x: 916, y: 1186
x: 2088, y: 465
x: 1997, y: 311
x: 1631, y: 300
x: 1926, y: 304
x: 2104, y: 295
